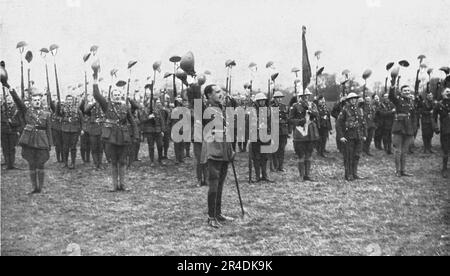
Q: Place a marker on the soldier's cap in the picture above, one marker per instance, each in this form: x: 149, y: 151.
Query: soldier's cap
x: 307, y: 92
x: 175, y: 59
x: 35, y: 92
x: 2, y: 64
x: 121, y: 83
x: 278, y: 94
x: 352, y: 96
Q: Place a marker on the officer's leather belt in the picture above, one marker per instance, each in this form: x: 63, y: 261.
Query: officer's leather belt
x: 114, y: 122
x: 31, y: 127
x: 402, y: 116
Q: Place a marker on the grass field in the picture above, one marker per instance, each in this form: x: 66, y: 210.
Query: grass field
x: 165, y: 214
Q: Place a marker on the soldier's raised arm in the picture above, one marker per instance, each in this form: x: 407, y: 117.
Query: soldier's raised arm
x: 97, y: 95
x: 19, y: 103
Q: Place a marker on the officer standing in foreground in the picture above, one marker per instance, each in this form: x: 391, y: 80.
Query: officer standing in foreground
x: 115, y: 131
x: 278, y: 156
x: 36, y: 138
x: 351, y: 130
x: 403, y: 128
x: 217, y: 154
x: 303, y: 117
x: 442, y: 112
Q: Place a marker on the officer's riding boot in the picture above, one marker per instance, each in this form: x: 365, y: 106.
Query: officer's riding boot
x: 281, y: 163
x: 73, y: 156
x: 58, y: 155
x: 83, y: 155
x: 151, y: 154
x: 160, y: 155
x: 188, y: 150
x: 403, y: 166
x: 347, y: 170
x: 34, y: 183
x: 398, y: 164
x: 88, y: 156
x: 301, y: 170
x: 94, y: 160
x: 41, y: 176
x: 136, y: 153
x: 308, y: 172
x: 444, y: 167
x: 212, y: 221
x: 264, y: 171
x: 275, y: 165
x: 257, y: 166
x: 122, y: 178
x: 115, y: 177
x: 355, y: 169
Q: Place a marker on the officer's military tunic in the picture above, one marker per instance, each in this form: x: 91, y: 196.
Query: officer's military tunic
x: 351, y: 125
x: 9, y: 132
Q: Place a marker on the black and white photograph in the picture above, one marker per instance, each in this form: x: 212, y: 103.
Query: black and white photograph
x: 225, y: 128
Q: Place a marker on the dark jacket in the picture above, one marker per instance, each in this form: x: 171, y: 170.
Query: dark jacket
x: 351, y: 123
x: 37, y: 132
x: 215, y: 150
x: 298, y: 119
x: 404, y: 123
x: 118, y: 118
x: 442, y: 111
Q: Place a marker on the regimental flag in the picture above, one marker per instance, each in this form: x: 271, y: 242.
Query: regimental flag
x: 305, y: 62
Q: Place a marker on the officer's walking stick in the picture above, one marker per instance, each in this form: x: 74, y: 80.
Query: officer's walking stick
x: 237, y: 187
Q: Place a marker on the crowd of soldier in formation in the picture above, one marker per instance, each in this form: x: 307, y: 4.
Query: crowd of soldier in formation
x: 110, y: 124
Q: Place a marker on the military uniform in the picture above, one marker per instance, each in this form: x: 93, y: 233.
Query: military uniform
x: 71, y: 129
x: 133, y: 149
x: 56, y: 122
x: 166, y: 112
x: 36, y: 141
x: 386, y: 115
x: 306, y: 134
x: 216, y: 155
x: 351, y: 125
x: 369, y: 115
x: 85, y: 147
x: 403, y: 129
x: 259, y: 158
x: 278, y: 156
x: 442, y: 112
x: 178, y: 147
x: 324, y: 128
x: 427, y: 123
x: 152, y: 129
x: 378, y: 137
x: 337, y: 108
x: 10, y: 133
x: 117, y: 136
x: 94, y: 128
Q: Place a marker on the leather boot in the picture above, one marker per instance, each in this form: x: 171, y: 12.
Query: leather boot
x: 257, y: 166
x: 122, y: 178
x: 403, y: 166
x: 212, y: 205
x: 34, y: 183
x: 301, y: 169
x: 398, y: 165
x: 58, y: 155
x: 151, y: 154
x: 160, y: 155
x: 41, y: 176
x: 264, y: 171
x: 115, y: 177
x: 73, y: 156
x: 355, y: 169
x: 445, y: 167
x: 308, y: 172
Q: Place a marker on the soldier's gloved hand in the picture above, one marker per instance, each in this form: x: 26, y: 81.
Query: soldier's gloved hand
x: 343, y: 140
x: 151, y: 116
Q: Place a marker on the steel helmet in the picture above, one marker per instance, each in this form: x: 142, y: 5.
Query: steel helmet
x: 260, y: 97
x: 352, y: 96
x: 278, y: 94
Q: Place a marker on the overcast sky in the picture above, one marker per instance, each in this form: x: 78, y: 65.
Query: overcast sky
x: 352, y: 34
